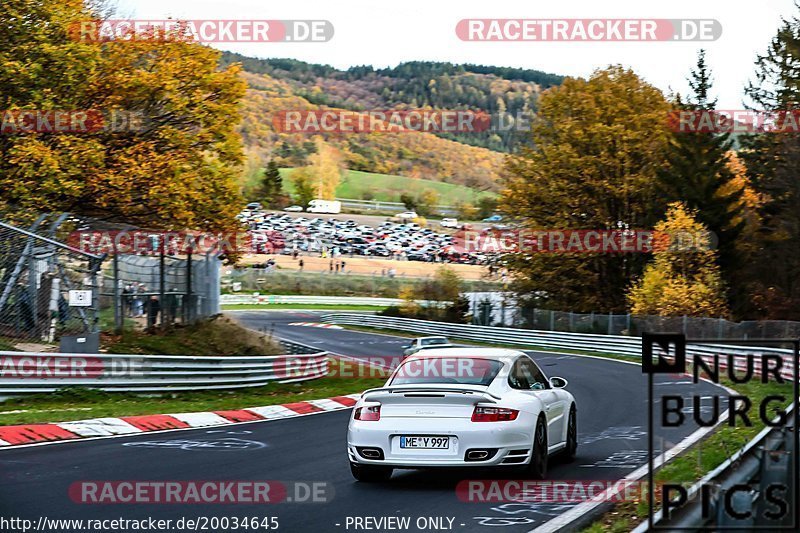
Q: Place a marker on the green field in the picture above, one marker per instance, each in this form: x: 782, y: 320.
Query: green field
x: 388, y: 188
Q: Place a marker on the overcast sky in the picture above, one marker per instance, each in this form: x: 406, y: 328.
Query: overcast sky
x: 382, y: 33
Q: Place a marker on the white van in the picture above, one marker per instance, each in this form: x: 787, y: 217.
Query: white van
x: 324, y: 206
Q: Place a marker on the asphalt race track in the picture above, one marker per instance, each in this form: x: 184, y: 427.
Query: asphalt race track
x: 612, y: 424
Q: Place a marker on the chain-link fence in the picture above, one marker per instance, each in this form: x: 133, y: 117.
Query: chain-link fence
x: 162, y: 290
x: 51, y: 288
x: 627, y: 324
x: 502, y: 309
x: 47, y: 288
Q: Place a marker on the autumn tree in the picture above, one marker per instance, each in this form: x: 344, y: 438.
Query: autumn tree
x: 305, y: 188
x: 176, y: 166
x: 427, y: 202
x: 596, y: 148
x: 442, y: 295
x: 697, y: 172
x: 772, y: 160
x: 326, y: 167
x: 684, y: 277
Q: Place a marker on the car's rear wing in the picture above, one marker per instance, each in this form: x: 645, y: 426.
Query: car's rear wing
x: 387, y: 394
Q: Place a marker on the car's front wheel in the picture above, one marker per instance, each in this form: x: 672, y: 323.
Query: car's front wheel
x: 369, y: 473
x: 537, y: 468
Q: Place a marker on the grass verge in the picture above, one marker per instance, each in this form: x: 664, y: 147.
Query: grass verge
x: 217, y: 336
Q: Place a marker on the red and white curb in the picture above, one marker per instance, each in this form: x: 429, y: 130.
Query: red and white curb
x: 131, y: 425
x: 315, y: 325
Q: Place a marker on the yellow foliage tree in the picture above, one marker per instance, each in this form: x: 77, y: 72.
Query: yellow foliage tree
x: 176, y: 168
x: 326, y: 166
x: 683, y: 278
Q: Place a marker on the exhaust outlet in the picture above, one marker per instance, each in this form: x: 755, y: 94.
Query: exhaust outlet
x: 371, y: 453
x: 477, y: 455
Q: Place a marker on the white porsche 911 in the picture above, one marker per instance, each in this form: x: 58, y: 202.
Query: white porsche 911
x: 462, y: 407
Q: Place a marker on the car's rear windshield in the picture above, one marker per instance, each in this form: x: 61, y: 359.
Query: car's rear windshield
x: 447, y: 370
x: 436, y: 340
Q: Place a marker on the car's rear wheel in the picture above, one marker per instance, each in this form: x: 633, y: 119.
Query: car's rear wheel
x: 537, y: 468
x: 369, y: 473
x: 571, y: 448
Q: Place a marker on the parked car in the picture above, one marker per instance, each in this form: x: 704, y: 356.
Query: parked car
x: 493, y: 218
x: 407, y: 215
x: 293, y: 209
x: 253, y: 206
x: 449, y: 223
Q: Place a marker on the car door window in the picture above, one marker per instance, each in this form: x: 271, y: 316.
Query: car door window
x: 538, y: 375
x: 525, y: 375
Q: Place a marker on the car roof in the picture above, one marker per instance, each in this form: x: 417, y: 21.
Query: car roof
x: 499, y: 354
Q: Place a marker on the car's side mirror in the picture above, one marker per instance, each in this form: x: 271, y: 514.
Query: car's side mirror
x: 558, y: 383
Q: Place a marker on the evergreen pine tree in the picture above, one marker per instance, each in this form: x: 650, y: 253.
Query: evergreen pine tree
x: 772, y: 161
x: 696, y: 172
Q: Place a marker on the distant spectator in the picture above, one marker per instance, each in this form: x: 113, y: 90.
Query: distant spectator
x: 331, y: 266
x: 127, y: 307
x: 343, y: 263
x: 337, y: 267
x: 138, y: 300
x: 300, y: 264
x: 153, y: 308
x: 392, y: 272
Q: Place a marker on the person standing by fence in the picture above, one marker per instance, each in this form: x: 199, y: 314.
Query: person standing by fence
x: 153, y: 308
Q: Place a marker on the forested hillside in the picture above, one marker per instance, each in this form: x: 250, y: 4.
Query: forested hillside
x: 412, y: 85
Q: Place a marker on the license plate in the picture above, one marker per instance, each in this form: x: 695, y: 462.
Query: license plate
x: 430, y: 443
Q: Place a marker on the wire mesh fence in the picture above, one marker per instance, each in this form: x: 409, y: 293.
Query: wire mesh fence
x: 47, y: 288
x: 52, y: 289
x: 628, y: 324
x: 164, y: 290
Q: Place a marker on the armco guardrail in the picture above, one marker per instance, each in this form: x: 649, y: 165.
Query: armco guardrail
x: 268, y: 299
x: 26, y: 373
x: 559, y: 340
x: 271, y: 299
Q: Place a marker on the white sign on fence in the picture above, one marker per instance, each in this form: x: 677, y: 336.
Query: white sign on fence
x: 80, y: 298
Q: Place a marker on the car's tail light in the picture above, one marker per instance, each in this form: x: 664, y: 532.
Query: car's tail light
x: 493, y: 414
x: 370, y: 413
